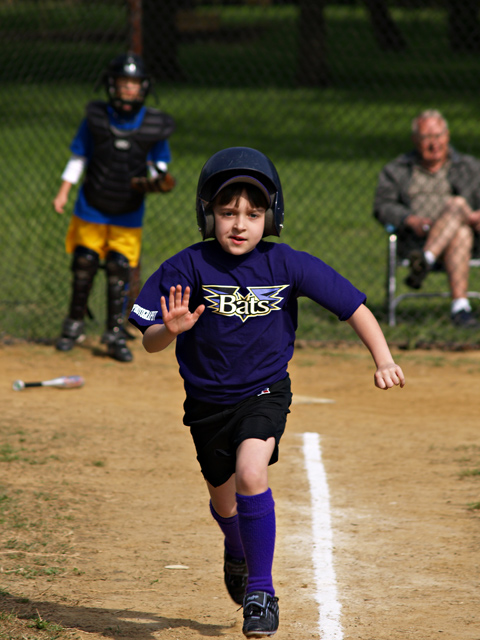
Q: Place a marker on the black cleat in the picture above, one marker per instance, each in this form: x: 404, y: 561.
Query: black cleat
x: 65, y: 344
x: 119, y: 351
x: 72, y: 332
x: 260, y: 614
x: 236, y: 576
x: 117, y: 346
x: 418, y: 269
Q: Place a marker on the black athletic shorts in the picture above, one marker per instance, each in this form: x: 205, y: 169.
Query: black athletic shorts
x: 218, y: 430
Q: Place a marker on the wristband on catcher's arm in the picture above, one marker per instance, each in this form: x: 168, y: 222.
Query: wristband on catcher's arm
x: 163, y: 183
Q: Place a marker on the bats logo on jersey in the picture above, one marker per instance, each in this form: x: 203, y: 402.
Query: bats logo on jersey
x: 228, y: 301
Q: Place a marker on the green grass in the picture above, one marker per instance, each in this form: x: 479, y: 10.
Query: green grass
x: 328, y: 146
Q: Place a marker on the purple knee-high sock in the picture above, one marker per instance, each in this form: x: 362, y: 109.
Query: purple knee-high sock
x: 256, y: 520
x: 229, y: 527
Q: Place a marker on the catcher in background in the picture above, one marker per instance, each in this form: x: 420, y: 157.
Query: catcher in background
x: 231, y: 305
x: 123, y: 148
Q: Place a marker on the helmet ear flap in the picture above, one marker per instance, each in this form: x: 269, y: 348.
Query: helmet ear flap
x: 205, y: 221
x: 274, y: 217
x: 270, y: 229
x: 209, y: 226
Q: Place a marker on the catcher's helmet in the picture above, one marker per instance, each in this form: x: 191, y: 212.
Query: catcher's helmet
x: 239, y: 162
x: 127, y: 65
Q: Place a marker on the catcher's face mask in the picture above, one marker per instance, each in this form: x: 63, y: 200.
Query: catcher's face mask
x: 128, y: 90
x: 126, y: 67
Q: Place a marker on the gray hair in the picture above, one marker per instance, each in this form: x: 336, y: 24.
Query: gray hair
x: 428, y: 113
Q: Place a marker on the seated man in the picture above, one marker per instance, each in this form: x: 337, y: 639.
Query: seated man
x: 431, y: 196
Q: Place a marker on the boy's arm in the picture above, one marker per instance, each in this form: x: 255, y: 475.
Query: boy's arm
x: 157, y: 338
x: 364, y: 323
x: 61, y: 198
x: 176, y: 319
x: 70, y: 176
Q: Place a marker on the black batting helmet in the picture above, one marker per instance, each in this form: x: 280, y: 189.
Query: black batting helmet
x: 239, y: 162
x: 128, y: 65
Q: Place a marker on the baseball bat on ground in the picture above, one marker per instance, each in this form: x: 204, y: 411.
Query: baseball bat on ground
x: 64, y: 382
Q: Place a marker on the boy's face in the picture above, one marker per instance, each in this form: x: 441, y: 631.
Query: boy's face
x: 128, y: 88
x: 239, y: 225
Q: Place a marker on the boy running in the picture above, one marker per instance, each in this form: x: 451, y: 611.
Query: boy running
x: 231, y: 305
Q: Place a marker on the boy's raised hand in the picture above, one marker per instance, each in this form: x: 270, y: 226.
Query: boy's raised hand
x: 178, y: 318
x: 389, y: 375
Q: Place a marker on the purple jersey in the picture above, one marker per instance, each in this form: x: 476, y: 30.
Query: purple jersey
x: 243, y: 341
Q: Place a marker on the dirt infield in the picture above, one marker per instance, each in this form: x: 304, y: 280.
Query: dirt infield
x: 100, y: 493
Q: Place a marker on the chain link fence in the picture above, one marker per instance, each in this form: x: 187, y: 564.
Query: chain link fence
x: 327, y: 90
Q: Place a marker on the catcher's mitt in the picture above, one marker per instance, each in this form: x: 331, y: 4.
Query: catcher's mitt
x: 161, y: 184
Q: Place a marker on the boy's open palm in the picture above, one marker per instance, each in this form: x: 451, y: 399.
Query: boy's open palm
x: 178, y: 318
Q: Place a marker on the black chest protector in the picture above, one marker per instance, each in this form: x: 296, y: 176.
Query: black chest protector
x: 118, y: 156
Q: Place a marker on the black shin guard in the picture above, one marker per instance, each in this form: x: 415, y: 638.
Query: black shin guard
x: 118, y: 274
x: 84, y: 267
